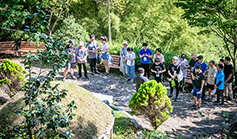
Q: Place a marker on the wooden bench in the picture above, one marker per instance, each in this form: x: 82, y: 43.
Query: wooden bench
x: 115, y: 64
x: 7, y: 47
x: 2, y: 60
x: 27, y: 46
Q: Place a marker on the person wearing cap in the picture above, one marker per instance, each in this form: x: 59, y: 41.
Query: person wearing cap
x: 123, y: 61
x: 199, y: 80
x: 158, y: 69
x: 145, y: 54
x: 159, y: 55
x: 92, y: 47
x: 211, y: 79
x: 71, y: 64
x: 219, y: 85
x: 173, y: 71
x: 105, y: 53
x: 193, y: 60
x: 130, y: 57
x: 140, y: 79
x: 184, y: 66
x: 202, y: 63
x: 81, y: 55
x: 228, y: 71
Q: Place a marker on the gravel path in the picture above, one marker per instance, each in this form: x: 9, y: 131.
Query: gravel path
x: 187, y: 121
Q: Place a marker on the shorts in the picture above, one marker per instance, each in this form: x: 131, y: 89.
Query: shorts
x: 210, y: 86
x: 195, y: 90
x: 70, y: 65
x: 105, y: 56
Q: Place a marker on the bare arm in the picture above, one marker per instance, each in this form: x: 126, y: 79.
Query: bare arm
x: 229, y: 78
x: 202, y: 86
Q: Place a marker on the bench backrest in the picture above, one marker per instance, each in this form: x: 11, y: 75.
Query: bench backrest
x: 7, y: 46
x: 31, y: 46
x: 115, y: 59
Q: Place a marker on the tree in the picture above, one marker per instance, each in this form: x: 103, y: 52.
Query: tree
x: 218, y: 16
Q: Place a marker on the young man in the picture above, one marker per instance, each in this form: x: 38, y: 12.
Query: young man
x: 92, y: 47
x: 140, y: 79
x: 203, y: 64
x: 211, y: 79
x: 158, y: 69
x: 228, y: 71
x: 222, y: 62
x: 184, y: 66
x: 71, y: 64
x: 199, y: 80
x: 145, y: 54
x: 173, y: 71
x: 81, y: 55
x: 219, y: 85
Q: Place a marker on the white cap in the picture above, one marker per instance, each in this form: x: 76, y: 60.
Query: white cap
x: 81, y: 43
x: 175, y: 58
x: 125, y: 42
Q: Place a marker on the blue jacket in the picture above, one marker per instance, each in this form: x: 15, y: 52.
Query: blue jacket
x: 220, y: 76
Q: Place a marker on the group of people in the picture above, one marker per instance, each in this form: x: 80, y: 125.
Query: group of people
x: 219, y: 79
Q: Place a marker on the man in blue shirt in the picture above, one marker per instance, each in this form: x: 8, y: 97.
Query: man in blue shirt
x: 219, y: 85
x: 145, y: 54
x: 203, y: 64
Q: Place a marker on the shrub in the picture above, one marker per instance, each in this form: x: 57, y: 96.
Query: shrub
x: 152, y: 101
x: 11, y: 77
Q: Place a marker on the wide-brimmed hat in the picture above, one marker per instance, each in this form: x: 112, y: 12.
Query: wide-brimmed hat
x: 81, y: 43
x: 125, y: 42
x: 175, y: 58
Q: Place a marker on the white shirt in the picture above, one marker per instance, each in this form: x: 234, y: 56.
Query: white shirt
x: 131, y: 56
x: 104, y: 47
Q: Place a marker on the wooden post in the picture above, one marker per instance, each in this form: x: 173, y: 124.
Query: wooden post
x: 109, y: 22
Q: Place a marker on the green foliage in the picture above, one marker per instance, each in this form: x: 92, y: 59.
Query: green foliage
x: 71, y: 30
x: 43, y: 116
x: 152, y: 101
x: 11, y: 77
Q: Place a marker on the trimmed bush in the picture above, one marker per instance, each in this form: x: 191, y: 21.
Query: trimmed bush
x: 152, y: 101
x: 11, y: 77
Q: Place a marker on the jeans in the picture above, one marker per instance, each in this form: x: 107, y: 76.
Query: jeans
x: 131, y: 71
x: 195, y: 93
x: 93, y: 65
x: 79, y: 69
x: 176, y: 87
x: 147, y: 70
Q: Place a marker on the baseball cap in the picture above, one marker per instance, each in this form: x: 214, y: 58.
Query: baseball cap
x: 200, y: 57
x: 91, y: 36
x: 71, y: 41
x: 183, y: 56
x: 129, y: 49
x: 144, y: 44
x: 157, y: 60
x: 140, y: 70
x: 198, y: 66
x: 175, y: 58
x: 81, y: 43
x: 212, y: 62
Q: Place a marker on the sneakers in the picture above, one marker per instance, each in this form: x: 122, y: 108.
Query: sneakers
x: 170, y: 96
x: 207, y: 97
x: 213, y: 99
x: 97, y: 73
x: 221, y: 105
x: 73, y: 77
x: 64, y: 79
x: 194, y: 106
x: 87, y: 78
x: 198, y: 108
x: 79, y: 78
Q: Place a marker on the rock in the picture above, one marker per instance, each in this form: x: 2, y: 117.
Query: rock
x: 232, y: 131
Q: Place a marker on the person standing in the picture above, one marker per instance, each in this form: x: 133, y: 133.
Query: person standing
x: 199, y: 80
x: 211, y: 79
x: 228, y: 71
x: 219, y: 85
x: 173, y: 71
x: 202, y: 63
x: 145, y: 54
x: 130, y: 57
x: 158, y: 69
x: 184, y: 66
x: 81, y: 55
x: 140, y: 79
x: 123, y: 61
x: 193, y: 60
x: 222, y: 62
x: 105, y: 53
x: 159, y: 55
x: 71, y: 63
x: 92, y: 47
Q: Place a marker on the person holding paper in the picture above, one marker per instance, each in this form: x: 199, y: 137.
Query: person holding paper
x: 130, y: 64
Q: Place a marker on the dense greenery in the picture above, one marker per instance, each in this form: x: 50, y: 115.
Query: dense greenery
x: 152, y: 101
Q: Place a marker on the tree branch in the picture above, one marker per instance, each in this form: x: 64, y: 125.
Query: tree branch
x: 57, y: 19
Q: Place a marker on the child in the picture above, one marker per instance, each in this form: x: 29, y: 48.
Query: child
x: 71, y: 64
x: 158, y: 69
x: 130, y: 63
x: 199, y: 80
x: 81, y: 59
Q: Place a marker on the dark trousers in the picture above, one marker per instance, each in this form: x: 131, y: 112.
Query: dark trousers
x: 147, y: 70
x: 204, y: 92
x: 79, y: 69
x: 93, y: 65
x: 176, y: 87
x: 158, y: 79
x: 220, y: 94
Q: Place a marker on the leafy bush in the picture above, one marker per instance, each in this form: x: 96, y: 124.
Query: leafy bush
x: 11, y: 77
x: 152, y: 101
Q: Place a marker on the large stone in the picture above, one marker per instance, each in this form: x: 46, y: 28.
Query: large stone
x: 232, y: 131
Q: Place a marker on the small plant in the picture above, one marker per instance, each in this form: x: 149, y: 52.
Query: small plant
x: 152, y: 101
x: 11, y: 77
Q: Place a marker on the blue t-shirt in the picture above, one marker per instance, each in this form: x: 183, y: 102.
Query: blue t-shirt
x: 145, y: 59
x: 220, y: 76
x: 203, y: 66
